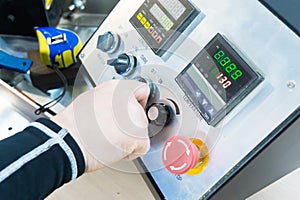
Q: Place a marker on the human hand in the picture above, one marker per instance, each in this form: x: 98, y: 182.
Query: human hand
x: 109, y: 122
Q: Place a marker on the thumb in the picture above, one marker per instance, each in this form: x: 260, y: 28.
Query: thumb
x: 142, y: 93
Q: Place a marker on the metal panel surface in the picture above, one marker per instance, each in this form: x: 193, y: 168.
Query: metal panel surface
x: 267, y: 167
x: 260, y: 36
x: 16, y: 111
x: 287, y: 11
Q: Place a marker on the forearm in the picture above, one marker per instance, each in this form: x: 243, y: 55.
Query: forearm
x: 38, y: 160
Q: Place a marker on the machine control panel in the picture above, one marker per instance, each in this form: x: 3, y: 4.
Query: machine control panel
x: 217, y: 79
x: 160, y: 22
x: 211, y: 103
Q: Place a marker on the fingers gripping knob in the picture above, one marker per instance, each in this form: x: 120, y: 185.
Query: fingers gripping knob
x: 154, y: 93
x: 159, y: 114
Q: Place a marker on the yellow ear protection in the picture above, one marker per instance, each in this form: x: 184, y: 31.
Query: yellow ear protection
x: 48, y: 4
x: 58, y: 49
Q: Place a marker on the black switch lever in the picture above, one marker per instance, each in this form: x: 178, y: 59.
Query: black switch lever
x: 124, y: 64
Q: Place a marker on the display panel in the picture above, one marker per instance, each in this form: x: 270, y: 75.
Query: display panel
x: 174, y: 7
x: 217, y: 79
x: 161, y: 17
x: 160, y: 22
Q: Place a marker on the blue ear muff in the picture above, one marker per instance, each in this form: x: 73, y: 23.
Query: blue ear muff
x: 58, y: 47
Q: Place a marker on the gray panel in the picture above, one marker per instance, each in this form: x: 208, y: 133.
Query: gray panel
x: 95, y: 6
x: 275, y: 161
x: 259, y: 36
x: 287, y: 11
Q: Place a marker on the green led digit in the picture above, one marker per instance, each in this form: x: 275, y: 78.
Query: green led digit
x: 230, y: 68
x: 219, y: 55
x: 169, y: 25
x: 225, y: 61
x: 238, y: 73
x: 166, y: 22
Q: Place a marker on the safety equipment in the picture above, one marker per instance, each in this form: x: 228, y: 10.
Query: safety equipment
x: 58, y: 47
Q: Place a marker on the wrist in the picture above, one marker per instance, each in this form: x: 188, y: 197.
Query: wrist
x: 70, y: 140
x: 70, y: 124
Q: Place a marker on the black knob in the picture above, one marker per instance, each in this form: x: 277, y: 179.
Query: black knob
x: 108, y: 42
x: 154, y: 91
x: 159, y: 114
x: 154, y: 94
x: 124, y: 65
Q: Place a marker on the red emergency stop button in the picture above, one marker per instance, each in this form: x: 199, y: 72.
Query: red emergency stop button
x: 179, y: 155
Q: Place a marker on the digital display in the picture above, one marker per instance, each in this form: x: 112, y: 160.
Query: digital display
x: 217, y: 79
x: 161, y: 17
x: 174, y: 7
x: 230, y: 67
x: 160, y: 22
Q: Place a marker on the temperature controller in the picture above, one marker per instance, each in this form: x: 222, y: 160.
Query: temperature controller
x: 160, y: 22
x: 218, y: 79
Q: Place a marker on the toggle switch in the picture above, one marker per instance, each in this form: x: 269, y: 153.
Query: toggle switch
x: 124, y: 64
x: 181, y: 155
x: 108, y: 42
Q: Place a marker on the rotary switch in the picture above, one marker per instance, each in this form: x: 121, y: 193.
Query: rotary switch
x: 159, y: 114
x: 108, y: 42
x: 124, y: 64
x: 181, y: 155
x: 154, y: 93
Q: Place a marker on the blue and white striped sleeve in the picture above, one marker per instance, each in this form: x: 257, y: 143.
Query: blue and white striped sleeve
x: 38, y: 160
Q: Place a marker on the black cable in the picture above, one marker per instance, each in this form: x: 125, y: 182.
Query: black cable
x: 53, y: 102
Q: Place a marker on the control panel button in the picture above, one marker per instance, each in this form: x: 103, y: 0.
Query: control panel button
x: 108, y: 42
x: 180, y: 154
x: 159, y: 114
x: 124, y: 64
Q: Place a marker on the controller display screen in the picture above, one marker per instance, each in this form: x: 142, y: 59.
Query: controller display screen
x: 160, y: 22
x: 217, y: 79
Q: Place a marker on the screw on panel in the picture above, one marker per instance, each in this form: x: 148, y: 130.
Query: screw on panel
x: 82, y: 55
x: 291, y: 84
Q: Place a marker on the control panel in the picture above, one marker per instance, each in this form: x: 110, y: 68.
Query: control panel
x: 160, y: 22
x: 220, y: 84
x: 217, y: 79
